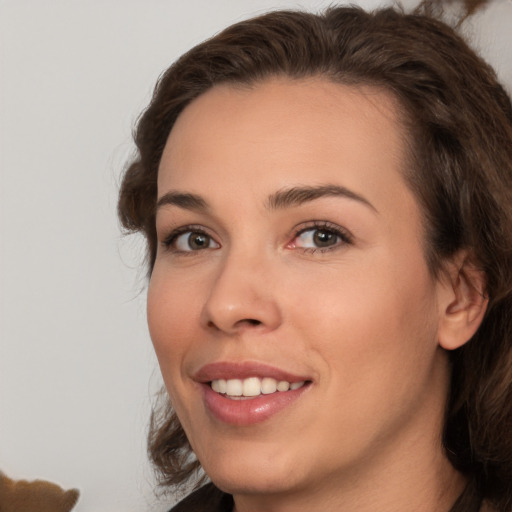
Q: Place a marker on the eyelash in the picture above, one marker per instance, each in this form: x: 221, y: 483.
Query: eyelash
x: 343, y: 236
x: 171, y: 239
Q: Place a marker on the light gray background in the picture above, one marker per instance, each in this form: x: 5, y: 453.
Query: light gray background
x: 76, y: 365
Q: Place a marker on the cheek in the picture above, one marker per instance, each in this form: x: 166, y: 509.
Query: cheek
x: 173, y: 322
x: 172, y: 312
x: 379, y: 320
x: 373, y: 337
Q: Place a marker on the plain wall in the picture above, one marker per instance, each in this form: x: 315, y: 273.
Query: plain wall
x: 77, y: 370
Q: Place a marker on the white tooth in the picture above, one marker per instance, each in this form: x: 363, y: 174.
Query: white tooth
x: 283, y: 385
x: 268, y: 385
x: 221, y: 384
x: 234, y: 387
x: 251, y: 386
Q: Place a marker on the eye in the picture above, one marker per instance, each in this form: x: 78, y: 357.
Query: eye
x: 316, y: 238
x: 321, y: 237
x: 190, y: 240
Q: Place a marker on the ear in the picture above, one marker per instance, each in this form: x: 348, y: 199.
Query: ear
x: 69, y: 499
x: 463, y: 302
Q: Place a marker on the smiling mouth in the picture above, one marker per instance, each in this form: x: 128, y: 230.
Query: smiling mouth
x: 246, y: 393
x: 253, y: 387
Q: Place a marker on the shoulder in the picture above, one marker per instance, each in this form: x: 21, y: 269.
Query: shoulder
x: 205, y: 499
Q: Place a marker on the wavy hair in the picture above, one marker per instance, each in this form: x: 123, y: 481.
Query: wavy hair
x: 459, y: 124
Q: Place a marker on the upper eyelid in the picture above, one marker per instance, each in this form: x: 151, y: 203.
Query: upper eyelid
x: 170, y: 221
x: 324, y: 224
x: 174, y: 233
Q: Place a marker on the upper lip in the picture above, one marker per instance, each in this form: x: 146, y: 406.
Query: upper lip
x: 243, y: 370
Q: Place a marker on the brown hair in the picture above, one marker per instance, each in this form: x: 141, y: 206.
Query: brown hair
x: 460, y: 124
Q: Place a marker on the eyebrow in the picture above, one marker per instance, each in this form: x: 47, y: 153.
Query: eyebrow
x: 281, y: 199
x: 296, y: 196
x: 183, y: 200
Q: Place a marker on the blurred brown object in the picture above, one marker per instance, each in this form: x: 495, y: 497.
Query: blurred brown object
x: 34, y: 496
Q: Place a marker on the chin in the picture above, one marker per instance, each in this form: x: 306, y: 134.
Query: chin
x: 254, y: 470
x: 253, y: 483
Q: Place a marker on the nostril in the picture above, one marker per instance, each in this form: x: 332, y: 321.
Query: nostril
x: 212, y: 325
x: 240, y: 323
x: 249, y: 321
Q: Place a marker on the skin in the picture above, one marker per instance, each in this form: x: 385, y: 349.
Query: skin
x: 363, y: 318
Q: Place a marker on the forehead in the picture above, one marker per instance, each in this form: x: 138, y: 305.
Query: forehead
x: 284, y: 132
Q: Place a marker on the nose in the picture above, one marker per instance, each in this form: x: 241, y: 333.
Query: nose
x: 243, y: 297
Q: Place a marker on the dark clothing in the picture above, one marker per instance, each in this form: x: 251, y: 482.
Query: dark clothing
x: 206, y: 499
x: 210, y: 499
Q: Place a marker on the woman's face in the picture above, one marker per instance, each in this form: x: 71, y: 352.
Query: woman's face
x: 290, y: 254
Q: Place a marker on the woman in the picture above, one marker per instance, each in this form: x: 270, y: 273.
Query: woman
x: 327, y: 202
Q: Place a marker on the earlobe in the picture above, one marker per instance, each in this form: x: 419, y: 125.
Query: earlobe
x: 463, y: 303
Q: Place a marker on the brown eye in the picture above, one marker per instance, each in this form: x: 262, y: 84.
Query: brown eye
x: 193, y: 241
x: 317, y: 238
x: 198, y: 241
x: 324, y: 238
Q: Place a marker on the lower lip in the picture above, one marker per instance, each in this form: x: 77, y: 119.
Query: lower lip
x: 251, y: 410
